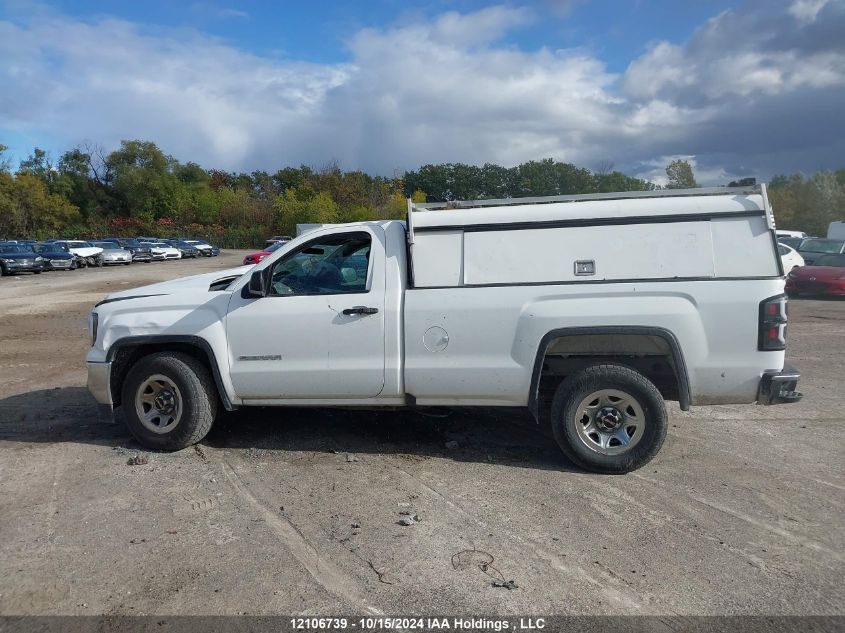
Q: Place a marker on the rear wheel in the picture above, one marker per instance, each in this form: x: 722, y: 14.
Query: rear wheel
x: 609, y: 419
x: 169, y: 401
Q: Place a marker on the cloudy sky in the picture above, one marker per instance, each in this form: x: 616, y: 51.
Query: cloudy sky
x: 738, y: 88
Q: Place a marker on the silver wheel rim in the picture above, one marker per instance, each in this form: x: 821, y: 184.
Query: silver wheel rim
x: 609, y: 421
x: 158, y: 403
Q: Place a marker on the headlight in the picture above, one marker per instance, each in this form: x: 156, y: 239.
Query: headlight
x: 39, y: 259
x: 7, y: 261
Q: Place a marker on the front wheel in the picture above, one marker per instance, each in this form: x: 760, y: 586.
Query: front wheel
x: 609, y: 419
x: 169, y: 400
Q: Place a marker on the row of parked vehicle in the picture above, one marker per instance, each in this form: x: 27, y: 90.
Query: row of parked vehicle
x: 31, y: 256
x: 813, y: 265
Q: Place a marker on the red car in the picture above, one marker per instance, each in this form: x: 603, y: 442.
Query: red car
x: 825, y: 277
x: 254, y: 258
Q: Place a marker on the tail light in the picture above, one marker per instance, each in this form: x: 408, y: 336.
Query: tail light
x: 772, y: 324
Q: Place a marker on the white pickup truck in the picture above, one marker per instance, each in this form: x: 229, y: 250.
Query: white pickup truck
x: 588, y: 310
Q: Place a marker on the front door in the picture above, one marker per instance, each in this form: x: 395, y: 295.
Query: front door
x: 319, y: 332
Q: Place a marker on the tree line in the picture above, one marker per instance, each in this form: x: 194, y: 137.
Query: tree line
x: 139, y: 190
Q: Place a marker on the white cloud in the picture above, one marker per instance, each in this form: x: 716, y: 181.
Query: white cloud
x: 758, y: 88
x: 806, y: 10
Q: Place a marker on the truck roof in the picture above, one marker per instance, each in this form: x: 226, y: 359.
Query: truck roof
x: 619, y: 207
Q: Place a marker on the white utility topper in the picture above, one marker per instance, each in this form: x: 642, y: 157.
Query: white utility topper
x: 588, y: 310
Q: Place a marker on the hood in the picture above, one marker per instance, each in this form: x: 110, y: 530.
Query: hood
x: 183, y: 284
x: 55, y: 255
x: 819, y: 272
x: 32, y: 255
x: 86, y: 251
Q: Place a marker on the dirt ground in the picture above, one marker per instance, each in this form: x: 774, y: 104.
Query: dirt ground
x: 297, y: 511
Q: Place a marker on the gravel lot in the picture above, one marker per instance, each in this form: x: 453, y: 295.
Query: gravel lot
x: 297, y: 511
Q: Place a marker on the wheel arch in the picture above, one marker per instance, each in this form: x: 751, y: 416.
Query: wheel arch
x: 125, y: 352
x: 672, y: 350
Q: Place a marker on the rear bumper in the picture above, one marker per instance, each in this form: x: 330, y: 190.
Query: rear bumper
x: 779, y: 387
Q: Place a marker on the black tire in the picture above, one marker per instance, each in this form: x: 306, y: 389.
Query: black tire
x: 3, y: 271
x: 126, y: 263
x: 37, y: 272
x: 584, y: 450
x: 198, y: 399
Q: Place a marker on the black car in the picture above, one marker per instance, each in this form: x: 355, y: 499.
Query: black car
x: 56, y: 256
x: 186, y: 249
x: 814, y: 247
x: 140, y: 252
x: 19, y: 258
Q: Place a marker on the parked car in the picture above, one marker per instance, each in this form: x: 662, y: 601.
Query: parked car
x: 205, y: 249
x: 140, y: 252
x: 254, y: 258
x: 87, y: 254
x: 163, y: 250
x: 814, y: 247
x: 825, y: 277
x: 791, y: 242
x: 19, y: 258
x: 275, y: 239
x: 186, y: 250
x: 789, y: 257
x: 478, y: 311
x: 781, y: 233
x: 113, y: 253
x: 56, y: 256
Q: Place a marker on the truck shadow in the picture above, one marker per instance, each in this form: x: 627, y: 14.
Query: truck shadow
x: 502, y: 436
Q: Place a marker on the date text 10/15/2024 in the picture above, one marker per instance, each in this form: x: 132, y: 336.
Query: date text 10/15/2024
x: 415, y: 623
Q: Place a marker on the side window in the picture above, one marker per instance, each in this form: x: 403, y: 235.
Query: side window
x: 783, y: 250
x: 334, y: 264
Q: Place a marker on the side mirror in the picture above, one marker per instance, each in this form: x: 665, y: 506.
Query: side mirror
x: 256, y: 284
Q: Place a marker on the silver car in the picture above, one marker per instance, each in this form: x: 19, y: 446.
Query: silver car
x: 114, y: 254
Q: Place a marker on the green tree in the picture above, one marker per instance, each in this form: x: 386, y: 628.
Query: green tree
x: 143, y: 182
x: 680, y: 175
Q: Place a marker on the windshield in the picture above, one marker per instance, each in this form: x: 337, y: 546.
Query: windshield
x: 78, y: 244
x: 15, y: 248
x: 49, y: 248
x: 131, y: 242
x: 111, y: 245
x: 837, y: 261
x: 822, y: 246
x: 275, y: 247
x: 794, y: 242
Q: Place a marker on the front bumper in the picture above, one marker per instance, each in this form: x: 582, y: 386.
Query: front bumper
x: 24, y: 266
x: 117, y: 259
x: 99, y: 382
x: 779, y: 387
x: 59, y: 264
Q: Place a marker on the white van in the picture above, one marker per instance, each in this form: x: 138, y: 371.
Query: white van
x: 836, y: 230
